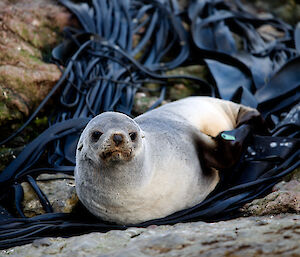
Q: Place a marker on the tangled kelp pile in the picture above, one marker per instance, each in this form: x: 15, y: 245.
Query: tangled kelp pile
x: 121, y: 48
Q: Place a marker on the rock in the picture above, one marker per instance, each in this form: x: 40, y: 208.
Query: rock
x: 7, y: 155
x: 194, y: 70
x: 59, y: 189
x: 142, y: 102
x: 179, y: 91
x: 289, y: 11
x: 252, y: 236
x: 285, y: 198
x: 186, y: 87
x: 275, y: 203
x: 295, y: 175
x: 269, y: 33
x: 28, y: 31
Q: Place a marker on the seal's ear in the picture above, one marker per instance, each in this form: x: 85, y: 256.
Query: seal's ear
x: 80, y: 146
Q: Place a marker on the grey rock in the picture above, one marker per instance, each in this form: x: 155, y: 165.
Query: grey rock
x: 289, y: 11
x: 59, y: 189
x: 142, y: 102
x: 285, y: 198
x: 251, y: 236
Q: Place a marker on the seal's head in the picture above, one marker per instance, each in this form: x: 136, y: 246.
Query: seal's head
x: 110, y: 138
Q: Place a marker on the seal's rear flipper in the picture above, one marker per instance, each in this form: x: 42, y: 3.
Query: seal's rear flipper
x: 253, y: 118
x: 228, y: 148
x: 229, y: 145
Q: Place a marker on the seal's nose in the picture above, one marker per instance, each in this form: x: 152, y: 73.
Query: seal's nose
x: 117, y: 138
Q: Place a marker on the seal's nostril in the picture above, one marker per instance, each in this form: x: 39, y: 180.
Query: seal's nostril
x: 118, y: 139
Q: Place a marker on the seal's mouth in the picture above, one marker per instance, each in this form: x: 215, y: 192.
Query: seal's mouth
x: 108, y: 154
x: 116, y: 155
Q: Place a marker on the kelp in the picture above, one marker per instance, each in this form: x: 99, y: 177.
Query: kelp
x: 123, y: 45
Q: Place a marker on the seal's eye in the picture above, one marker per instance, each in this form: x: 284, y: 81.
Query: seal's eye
x: 132, y: 135
x: 96, y: 135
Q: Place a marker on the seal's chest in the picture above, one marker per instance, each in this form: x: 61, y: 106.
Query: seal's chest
x: 167, y: 193
x: 127, y: 207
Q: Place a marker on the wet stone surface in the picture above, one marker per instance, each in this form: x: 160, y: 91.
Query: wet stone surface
x: 252, y: 236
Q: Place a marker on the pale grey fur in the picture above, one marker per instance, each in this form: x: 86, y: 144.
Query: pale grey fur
x: 164, y: 174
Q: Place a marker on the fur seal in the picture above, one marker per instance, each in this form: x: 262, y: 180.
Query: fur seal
x: 165, y: 160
